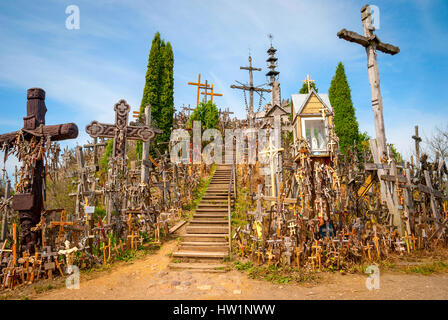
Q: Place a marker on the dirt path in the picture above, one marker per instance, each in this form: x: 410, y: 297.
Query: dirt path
x: 149, y: 278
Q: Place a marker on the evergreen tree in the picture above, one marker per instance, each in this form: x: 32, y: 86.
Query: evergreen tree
x: 304, y: 89
x: 345, y: 124
x: 207, y: 113
x: 159, y: 91
x: 165, y: 121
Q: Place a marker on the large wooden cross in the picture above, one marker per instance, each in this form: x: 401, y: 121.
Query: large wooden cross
x: 371, y: 43
x: 200, y: 86
x: 30, y: 203
x: 120, y: 131
x: 250, y: 88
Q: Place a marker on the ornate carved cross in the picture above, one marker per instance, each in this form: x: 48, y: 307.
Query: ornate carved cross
x: 120, y: 131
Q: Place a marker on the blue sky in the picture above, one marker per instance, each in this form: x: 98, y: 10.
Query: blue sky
x: 84, y: 72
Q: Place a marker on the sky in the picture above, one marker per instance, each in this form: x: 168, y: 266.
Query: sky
x: 86, y: 71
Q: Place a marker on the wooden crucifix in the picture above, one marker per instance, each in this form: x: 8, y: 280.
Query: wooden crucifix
x: 371, y: 43
x: 30, y: 203
x: 211, y: 93
x: 250, y: 88
x: 120, y: 131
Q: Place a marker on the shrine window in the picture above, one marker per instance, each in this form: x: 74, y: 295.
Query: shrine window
x: 313, y: 130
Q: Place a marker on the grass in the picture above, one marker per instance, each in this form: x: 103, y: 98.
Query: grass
x: 429, y: 268
x: 275, y: 274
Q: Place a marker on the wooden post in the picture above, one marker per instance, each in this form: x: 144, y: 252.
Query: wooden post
x: 5, y: 211
x: 145, y: 149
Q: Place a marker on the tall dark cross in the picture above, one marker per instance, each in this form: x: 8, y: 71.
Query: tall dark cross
x: 371, y: 43
x: 250, y: 88
x: 120, y: 131
x: 30, y: 204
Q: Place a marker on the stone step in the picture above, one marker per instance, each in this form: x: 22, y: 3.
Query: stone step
x: 199, y: 267
x: 207, y: 229
x: 204, y: 237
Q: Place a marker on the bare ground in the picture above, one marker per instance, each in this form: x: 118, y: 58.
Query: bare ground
x: 150, y: 278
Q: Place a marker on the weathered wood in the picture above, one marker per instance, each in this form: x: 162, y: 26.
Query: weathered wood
x: 34, y: 126
x: 371, y: 43
x: 5, y: 211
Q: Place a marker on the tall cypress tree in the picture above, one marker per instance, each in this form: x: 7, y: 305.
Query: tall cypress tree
x: 345, y: 124
x: 159, y: 90
x: 165, y: 121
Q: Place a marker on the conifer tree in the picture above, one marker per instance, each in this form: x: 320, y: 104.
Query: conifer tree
x: 159, y: 91
x: 345, y: 124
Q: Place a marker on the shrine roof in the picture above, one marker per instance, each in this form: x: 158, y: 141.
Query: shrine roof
x: 300, y: 100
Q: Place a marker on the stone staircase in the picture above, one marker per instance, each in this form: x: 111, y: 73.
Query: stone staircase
x: 205, y: 245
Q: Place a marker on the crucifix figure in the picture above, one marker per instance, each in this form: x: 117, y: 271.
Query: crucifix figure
x: 30, y: 201
x: 251, y: 89
x: 120, y: 131
x: 371, y: 43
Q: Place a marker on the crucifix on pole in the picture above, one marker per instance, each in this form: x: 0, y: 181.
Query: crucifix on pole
x: 371, y: 43
x: 250, y: 88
